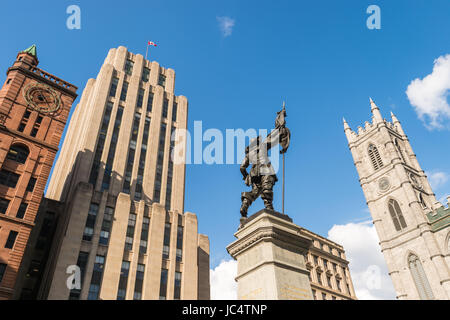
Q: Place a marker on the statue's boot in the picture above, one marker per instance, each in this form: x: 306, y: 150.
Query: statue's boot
x: 245, y: 204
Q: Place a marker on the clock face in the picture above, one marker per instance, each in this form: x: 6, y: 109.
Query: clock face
x: 42, y: 98
x: 384, y: 184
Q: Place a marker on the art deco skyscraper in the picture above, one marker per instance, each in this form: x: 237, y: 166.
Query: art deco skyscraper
x: 123, y: 195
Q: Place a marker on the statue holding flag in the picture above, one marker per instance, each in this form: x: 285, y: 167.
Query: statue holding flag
x: 262, y: 176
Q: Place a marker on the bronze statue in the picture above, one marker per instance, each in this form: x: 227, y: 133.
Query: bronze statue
x: 262, y: 176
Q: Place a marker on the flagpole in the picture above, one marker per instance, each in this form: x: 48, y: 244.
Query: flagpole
x: 146, y: 53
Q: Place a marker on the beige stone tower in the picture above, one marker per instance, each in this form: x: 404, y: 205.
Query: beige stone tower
x: 413, y: 227
x: 122, y: 192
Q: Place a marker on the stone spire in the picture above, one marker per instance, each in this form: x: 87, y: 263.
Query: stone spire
x: 397, y: 124
x: 375, y: 112
x: 348, y: 131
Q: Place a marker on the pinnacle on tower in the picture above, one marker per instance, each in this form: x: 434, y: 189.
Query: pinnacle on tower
x: 375, y: 111
x: 31, y: 50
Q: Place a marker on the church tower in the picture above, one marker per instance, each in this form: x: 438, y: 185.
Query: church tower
x: 412, y: 226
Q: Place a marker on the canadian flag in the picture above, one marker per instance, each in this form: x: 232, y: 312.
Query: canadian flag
x: 151, y: 43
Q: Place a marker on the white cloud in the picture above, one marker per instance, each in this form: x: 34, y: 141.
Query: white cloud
x: 226, y: 25
x: 437, y: 179
x: 429, y: 95
x: 367, y: 266
x: 223, y: 285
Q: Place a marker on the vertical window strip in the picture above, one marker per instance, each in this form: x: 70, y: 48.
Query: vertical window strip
x: 159, y: 164
x: 140, y: 98
x: 123, y: 93
x: 170, y: 172
x: 174, y: 110
x: 131, y: 153
x: 145, y: 74
x: 112, y: 150
x: 144, y: 235
x: 177, y: 286
x: 90, y: 222
x: 180, y: 232
x: 122, y: 291
x: 106, y: 226
x: 100, y: 144
x: 96, y: 280
x: 81, y: 263
x: 163, y: 284
x: 150, y: 102
x: 166, y: 243
x: 130, y: 232
x: 113, y: 88
x: 140, y: 175
x: 139, y: 282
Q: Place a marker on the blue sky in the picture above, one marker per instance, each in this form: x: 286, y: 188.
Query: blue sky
x: 319, y: 56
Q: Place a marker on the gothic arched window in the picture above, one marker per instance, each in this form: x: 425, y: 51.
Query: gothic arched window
x: 396, y: 215
x: 420, y: 278
x: 18, y: 153
x: 375, y: 158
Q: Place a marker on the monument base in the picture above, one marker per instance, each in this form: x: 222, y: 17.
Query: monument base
x: 270, y: 253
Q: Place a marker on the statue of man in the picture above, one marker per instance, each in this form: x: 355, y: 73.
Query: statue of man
x: 261, y: 178
x: 262, y: 175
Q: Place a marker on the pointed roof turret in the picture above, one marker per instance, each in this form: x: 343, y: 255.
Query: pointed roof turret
x: 31, y: 50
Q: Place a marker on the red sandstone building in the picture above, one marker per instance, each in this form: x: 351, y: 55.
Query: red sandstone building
x: 34, y: 107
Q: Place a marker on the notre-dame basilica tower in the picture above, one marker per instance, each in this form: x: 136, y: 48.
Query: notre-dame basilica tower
x: 412, y: 226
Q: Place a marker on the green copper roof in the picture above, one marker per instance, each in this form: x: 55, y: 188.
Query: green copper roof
x: 439, y: 219
x: 31, y: 50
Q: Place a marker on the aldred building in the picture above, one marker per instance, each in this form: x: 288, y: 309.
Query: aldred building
x: 34, y: 107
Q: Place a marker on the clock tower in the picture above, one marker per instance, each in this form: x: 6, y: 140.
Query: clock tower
x: 412, y: 226
x: 34, y: 107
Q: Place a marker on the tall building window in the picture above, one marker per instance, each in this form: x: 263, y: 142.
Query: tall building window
x: 31, y: 184
x: 130, y: 232
x: 22, y: 209
x: 81, y: 263
x: 123, y: 93
x: 170, y: 172
x: 11, y: 239
x: 113, y: 89
x: 90, y: 222
x: 18, y: 153
x: 338, y: 283
x: 166, y: 244
x: 140, y: 175
x: 106, y: 226
x: 96, y: 279
x: 396, y: 215
x: 112, y: 150
x: 131, y: 153
x: 165, y: 108
x: 140, y: 98
x: 162, y: 80
x: 179, y: 255
x: 174, y: 110
x: 375, y: 157
x: 139, y: 282
x: 144, y: 235
x: 150, y: 102
x: 129, y: 67
x: 420, y: 278
x: 159, y: 164
x: 23, y: 123
x: 145, y: 74
x: 319, y: 278
x: 121, y: 293
x: 36, y: 126
x: 2, y: 271
x: 4, y: 204
x: 329, y: 282
x: 163, y: 285
x: 100, y: 144
x: 8, y: 178
x: 47, y: 231
x: 177, y: 287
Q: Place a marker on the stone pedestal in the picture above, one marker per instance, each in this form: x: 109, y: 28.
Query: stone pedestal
x: 270, y: 254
